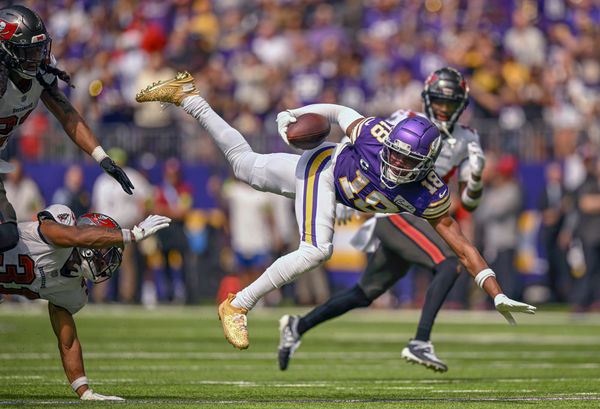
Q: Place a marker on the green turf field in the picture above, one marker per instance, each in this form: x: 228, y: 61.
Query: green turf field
x: 177, y: 357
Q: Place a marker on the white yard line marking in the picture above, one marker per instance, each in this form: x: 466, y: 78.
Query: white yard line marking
x: 380, y: 384
x: 342, y: 401
x: 249, y: 356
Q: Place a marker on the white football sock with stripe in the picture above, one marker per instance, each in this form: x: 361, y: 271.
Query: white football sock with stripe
x: 282, y: 271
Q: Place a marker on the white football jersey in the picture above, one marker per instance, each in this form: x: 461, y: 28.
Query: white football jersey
x: 454, y: 153
x: 33, y: 267
x: 19, y: 100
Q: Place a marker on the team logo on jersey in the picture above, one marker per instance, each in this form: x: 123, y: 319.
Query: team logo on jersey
x: 7, y: 30
x: 63, y: 217
x: 403, y: 203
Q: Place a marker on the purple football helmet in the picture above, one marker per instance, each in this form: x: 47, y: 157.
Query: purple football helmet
x: 409, y: 151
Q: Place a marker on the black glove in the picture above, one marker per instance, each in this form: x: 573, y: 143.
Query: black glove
x: 116, y: 172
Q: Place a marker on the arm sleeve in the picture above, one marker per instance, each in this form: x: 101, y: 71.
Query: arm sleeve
x: 340, y: 114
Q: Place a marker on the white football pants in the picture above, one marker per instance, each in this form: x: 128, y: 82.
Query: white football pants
x: 308, y: 178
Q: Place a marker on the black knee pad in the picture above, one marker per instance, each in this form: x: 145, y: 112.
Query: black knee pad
x: 9, y: 236
x: 360, y: 297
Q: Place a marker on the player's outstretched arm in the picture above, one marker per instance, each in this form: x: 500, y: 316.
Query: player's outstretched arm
x: 80, y: 133
x: 70, y: 353
x: 485, y: 278
x: 345, y: 117
x: 95, y: 237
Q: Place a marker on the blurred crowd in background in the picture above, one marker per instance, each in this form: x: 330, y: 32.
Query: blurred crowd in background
x: 532, y: 66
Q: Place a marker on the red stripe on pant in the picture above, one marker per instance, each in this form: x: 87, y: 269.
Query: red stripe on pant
x: 419, y: 238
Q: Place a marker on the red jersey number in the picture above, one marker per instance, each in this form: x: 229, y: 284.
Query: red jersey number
x: 8, y: 123
x: 22, y: 274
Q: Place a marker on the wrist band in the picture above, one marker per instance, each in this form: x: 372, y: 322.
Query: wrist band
x: 98, y: 154
x: 126, y: 236
x: 474, y: 185
x: 483, y: 275
x: 469, y: 201
x: 79, y: 382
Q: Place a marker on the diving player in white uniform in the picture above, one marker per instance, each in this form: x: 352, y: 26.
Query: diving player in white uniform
x: 52, y: 260
x: 382, y: 169
x: 396, y: 242
x: 27, y: 75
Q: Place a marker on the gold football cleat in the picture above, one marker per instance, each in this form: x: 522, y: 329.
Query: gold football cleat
x: 172, y: 91
x: 234, y: 323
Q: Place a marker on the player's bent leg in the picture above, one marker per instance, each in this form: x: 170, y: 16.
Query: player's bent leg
x: 338, y: 304
x: 271, y: 172
x: 420, y: 350
x: 9, y: 233
x: 233, y: 311
x: 292, y: 327
x: 289, y: 339
x: 445, y: 275
x: 384, y: 268
x: 282, y: 271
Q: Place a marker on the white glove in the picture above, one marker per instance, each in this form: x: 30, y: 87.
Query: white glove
x: 343, y: 213
x: 149, y: 226
x: 505, y: 306
x: 91, y: 395
x: 476, y: 158
x: 284, y: 119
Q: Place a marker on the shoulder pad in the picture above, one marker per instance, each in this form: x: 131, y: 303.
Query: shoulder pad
x: 466, y: 129
x: 59, y: 213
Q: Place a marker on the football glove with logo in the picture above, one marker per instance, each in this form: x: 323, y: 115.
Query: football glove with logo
x: 116, y: 172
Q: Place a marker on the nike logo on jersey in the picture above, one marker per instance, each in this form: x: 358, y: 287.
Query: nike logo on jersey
x: 441, y: 195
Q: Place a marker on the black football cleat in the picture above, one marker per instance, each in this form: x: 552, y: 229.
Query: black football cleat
x: 421, y: 352
x: 289, y: 339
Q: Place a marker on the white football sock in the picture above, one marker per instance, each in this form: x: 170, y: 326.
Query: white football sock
x: 282, y: 271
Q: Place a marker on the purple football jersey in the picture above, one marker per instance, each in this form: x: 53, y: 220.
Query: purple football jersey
x: 357, y: 178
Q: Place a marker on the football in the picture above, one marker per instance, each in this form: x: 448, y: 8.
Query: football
x: 309, y: 131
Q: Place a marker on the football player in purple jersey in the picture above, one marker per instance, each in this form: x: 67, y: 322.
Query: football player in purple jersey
x: 53, y: 257
x: 28, y: 74
x: 397, y: 242
x: 381, y: 169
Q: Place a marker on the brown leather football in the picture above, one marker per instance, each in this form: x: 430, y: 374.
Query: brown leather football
x: 309, y: 131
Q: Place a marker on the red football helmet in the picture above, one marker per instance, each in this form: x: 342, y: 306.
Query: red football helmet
x: 98, y: 265
x: 24, y: 38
